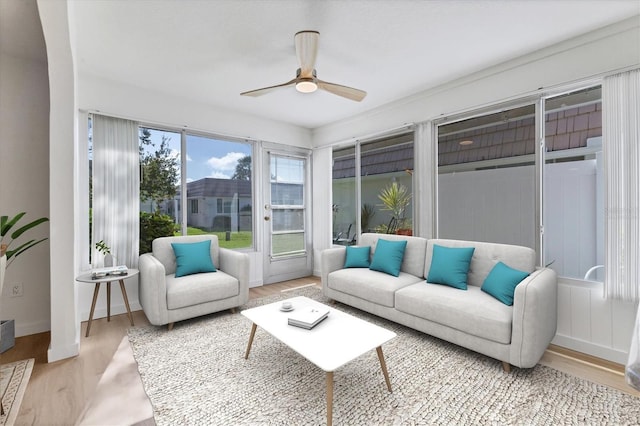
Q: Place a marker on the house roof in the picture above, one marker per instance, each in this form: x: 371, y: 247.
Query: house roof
x: 223, y: 188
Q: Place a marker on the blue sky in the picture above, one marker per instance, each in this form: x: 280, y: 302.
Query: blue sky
x: 206, y: 157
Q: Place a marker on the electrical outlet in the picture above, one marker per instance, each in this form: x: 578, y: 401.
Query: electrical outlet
x: 17, y: 290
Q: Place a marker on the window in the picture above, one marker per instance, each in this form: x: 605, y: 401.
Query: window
x: 487, y: 181
x: 193, y: 206
x: 379, y: 197
x: 573, y: 214
x: 217, y: 176
x: 486, y: 178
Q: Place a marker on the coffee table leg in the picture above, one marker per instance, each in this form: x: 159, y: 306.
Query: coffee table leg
x: 383, y: 365
x: 93, y: 308
x: 253, y: 333
x: 329, y: 398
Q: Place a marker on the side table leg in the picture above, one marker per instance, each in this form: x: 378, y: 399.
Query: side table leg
x: 108, y: 301
x: 253, y: 333
x: 126, y: 301
x: 329, y: 398
x: 93, y: 308
x: 383, y: 365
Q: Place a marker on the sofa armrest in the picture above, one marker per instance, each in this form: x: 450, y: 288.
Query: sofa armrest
x: 236, y: 264
x: 535, y: 317
x: 331, y: 260
x: 152, y: 289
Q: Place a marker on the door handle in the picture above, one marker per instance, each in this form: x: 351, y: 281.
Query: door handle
x: 267, y: 218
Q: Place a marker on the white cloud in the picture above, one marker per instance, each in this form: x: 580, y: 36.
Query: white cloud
x: 219, y: 175
x: 228, y: 162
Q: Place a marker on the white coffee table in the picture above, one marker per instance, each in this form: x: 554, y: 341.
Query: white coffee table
x: 337, y: 340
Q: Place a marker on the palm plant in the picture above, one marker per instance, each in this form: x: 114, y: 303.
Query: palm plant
x: 7, y: 237
x: 396, y: 198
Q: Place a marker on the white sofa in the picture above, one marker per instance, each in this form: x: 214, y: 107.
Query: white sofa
x: 516, y: 335
x: 166, y: 299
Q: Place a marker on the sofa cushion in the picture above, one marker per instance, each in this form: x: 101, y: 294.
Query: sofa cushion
x: 473, y: 311
x: 502, y: 281
x: 162, y: 250
x: 373, y: 286
x: 388, y: 256
x: 357, y: 257
x: 193, y: 258
x: 450, y: 266
x: 200, y: 288
x: 485, y: 256
x: 414, y: 254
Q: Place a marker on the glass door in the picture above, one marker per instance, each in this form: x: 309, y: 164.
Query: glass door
x: 287, y: 216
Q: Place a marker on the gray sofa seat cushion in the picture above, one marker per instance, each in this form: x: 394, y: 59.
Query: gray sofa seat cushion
x: 373, y: 286
x: 200, y: 288
x: 471, y: 311
x: 485, y: 257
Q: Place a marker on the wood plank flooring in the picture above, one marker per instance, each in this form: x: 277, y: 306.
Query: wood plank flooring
x: 58, y: 392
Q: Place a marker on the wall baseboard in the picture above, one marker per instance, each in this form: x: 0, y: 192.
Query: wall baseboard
x: 62, y: 352
x: 589, y: 348
x: 115, y: 310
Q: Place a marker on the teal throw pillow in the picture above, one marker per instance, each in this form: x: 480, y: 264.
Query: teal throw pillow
x: 192, y: 258
x: 357, y: 257
x: 450, y: 266
x: 388, y: 256
x: 502, y: 281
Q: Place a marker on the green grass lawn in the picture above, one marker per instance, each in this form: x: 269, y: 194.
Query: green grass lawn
x: 242, y: 239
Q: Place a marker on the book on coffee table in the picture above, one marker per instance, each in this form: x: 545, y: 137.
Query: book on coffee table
x: 308, y: 317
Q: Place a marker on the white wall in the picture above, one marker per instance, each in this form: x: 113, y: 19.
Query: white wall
x: 24, y: 177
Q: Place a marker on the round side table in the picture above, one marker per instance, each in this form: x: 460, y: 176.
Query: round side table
x: 86, y: 278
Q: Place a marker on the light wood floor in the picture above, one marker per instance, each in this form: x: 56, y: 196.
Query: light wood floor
x: 58, y: 392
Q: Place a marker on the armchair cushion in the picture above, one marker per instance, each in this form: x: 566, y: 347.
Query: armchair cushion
x: 193, y: 258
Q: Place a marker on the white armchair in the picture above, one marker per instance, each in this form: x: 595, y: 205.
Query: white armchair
x: 166, y: 299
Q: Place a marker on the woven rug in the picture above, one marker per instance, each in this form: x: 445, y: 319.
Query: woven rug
x: 14, y: 378
x: 197, y: 374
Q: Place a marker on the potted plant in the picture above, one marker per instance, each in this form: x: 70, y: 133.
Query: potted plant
x: 396, y: 198
x: 102, y: 247
x: 8, y: 237
x: 366, y: 215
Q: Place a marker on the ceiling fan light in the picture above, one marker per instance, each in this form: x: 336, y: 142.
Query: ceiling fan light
x: 306, y: 86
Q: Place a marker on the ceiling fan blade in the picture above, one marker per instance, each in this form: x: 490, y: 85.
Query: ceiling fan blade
x: 344, y: 91
x: 265, y: 90
x: 307, y: 50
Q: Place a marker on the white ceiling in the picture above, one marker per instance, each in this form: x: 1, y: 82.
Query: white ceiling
x: 211, y: 50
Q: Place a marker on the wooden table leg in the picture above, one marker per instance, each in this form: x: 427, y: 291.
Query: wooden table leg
x: 253, y: 333
x: 93, y: 308
x: 383, y: 365
x: 108, y: 301
x: 329, y: 398
x: 126, y: 301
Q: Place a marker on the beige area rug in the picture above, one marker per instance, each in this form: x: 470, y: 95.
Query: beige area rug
x: 14, y: 378
x: 197, y: 374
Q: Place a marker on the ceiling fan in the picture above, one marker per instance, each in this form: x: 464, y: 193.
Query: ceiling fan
x: 306, y: 80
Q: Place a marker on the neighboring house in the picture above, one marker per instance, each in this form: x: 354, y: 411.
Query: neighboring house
x: 215, y: 205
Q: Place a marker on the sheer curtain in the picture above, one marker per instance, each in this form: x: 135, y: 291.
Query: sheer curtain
x: 426, y: 166
x: 116, y: 189
x: 621, y: 150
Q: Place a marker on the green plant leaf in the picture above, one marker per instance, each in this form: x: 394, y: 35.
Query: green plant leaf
x: 28, y: 226
x: 22, y: 248
x: 7, y: 224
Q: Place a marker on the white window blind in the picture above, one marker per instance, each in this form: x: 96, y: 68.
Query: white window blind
x: 621, y: 150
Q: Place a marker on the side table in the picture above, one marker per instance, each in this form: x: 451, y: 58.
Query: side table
x: 86, y: 278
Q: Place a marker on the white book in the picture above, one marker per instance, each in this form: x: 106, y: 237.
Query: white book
x: 308, y: 317
x: 109, y: 271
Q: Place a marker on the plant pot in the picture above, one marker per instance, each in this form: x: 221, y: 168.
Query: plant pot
x: 408, y: 232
